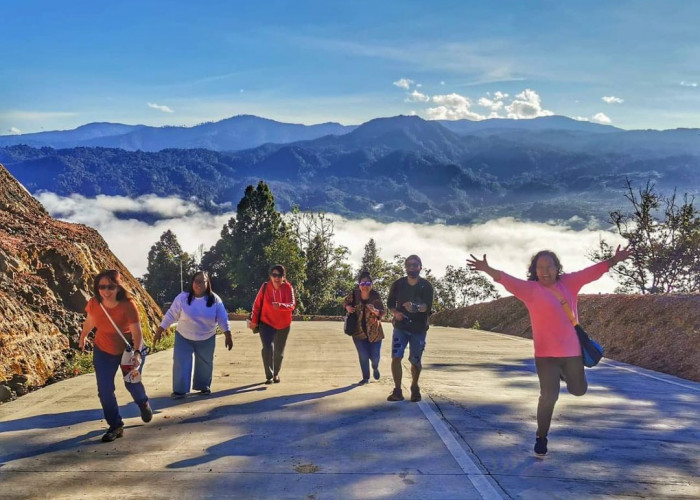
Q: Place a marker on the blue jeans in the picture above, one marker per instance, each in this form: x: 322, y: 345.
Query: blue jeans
x: 106, y: 366
x: 273, y: 343
x: 367, y: 351
x: 415, y: 343
x: 203, y: 353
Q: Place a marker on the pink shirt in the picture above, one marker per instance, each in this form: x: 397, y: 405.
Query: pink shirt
x: 552, y: 332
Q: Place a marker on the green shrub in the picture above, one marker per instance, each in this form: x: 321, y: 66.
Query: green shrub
x: 80, y: 363
x: 476, y: 325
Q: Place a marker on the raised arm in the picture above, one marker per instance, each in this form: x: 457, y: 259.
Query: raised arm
x: 482, y: 265
x: 620, y: 255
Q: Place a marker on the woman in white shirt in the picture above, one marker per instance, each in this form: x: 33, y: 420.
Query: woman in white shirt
x: 197, y: 314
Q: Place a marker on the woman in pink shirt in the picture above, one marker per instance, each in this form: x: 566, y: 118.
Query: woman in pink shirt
x: 557, y: 349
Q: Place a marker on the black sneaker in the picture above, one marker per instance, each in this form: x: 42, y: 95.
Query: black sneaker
x: 415, y: 393
x: 205, y: 392
x: 146, y: 412
x: 375, y: 373
x: 396, y: 395
x: 268, y: 381
x: 363, y: 381
x: 112, y: 434
x: 177, y: 395
x: 540, y: 446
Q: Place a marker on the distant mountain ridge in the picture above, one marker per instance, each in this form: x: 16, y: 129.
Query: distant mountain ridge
x: 232, y: 134
x: 399, y: 168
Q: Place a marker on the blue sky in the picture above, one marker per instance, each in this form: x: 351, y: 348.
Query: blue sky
x: 633, y: 64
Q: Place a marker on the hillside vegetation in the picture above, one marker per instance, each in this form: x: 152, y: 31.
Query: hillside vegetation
x: 658, y: 332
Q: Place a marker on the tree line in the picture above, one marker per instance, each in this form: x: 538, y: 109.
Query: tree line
x: 664, y: 231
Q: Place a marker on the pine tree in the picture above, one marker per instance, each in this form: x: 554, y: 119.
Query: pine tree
x: 169, y: 269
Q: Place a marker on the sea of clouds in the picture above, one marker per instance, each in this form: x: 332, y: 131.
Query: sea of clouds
x: 508, y: 243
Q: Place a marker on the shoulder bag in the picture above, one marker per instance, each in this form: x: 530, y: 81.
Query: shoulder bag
x: 591, y: 351
x: 262, y: 303
x: 350, y: 322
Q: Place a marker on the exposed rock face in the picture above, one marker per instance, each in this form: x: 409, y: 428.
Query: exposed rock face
x: 659, y: 332
x: 46, y: 271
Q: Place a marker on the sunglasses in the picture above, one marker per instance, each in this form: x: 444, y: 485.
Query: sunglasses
x: 107, y: 287
x: 365, y: 283
x: 276, y: 275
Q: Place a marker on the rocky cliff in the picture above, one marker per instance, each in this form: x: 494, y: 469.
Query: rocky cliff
x: 46, y: 270
x: 658, y: 332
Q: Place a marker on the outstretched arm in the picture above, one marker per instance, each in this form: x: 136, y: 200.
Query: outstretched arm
x: 482, y: 265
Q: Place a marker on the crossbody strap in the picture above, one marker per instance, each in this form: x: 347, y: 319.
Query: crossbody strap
x: 129, y: 346
x: 565, y: 305
x: 262, y: 301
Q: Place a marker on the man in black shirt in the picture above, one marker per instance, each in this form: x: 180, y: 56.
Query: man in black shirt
x: 410, y: 300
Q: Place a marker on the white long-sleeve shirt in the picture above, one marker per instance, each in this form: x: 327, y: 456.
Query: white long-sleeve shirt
x: 196, y: 321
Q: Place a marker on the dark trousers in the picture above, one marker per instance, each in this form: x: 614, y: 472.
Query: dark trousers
x: 106, y: 367
x: 273, y: 343
x: 548, y: 371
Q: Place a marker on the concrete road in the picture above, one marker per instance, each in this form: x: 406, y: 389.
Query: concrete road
x: 318, y: 435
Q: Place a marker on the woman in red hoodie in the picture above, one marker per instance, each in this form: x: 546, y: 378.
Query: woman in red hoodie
x: 272, y: 312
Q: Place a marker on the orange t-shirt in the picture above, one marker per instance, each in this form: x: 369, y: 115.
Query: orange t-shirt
x: 123, y: 314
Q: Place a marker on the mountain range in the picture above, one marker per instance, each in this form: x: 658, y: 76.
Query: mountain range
x: 398, y: 168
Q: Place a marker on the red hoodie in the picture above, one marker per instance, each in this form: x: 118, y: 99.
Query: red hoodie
x: 276, y: 318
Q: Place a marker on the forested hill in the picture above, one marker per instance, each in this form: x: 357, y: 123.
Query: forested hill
x: 401, y: 168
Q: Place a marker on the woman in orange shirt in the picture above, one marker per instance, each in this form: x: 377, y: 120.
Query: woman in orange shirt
x: 109, y: 293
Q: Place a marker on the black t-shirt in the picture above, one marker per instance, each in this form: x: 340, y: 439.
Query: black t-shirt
x: 422, y: 293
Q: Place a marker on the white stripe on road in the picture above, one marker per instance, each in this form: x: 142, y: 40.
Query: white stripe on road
x: 473, y: 472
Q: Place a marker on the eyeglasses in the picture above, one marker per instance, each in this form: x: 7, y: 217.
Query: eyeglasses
x: 276, y: 275
x: 365, y: 283
x: 107, y: 287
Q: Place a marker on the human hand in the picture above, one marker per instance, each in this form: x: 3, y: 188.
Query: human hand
x: 477, y: 265
x: 398, y: 316
x: 373, y: 309
x: 410, y: 306
x: 622, y: 254
x: 228, y: 341
x: 250, y: 324
x: 350, y: 309
x: 275, y: 305
x: 81, y: 343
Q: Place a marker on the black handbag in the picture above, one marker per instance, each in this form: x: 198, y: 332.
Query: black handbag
x: 262, y: 302
x: 350, y: 322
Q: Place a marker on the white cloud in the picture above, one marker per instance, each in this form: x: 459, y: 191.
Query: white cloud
x: 452, y: 107
x: 499, y: 96
x: 526, y: 104
x: 581, y: 118
x: 403, y: 83
x: 508, y: 243
x: 601, y: 118
x: 689, y: 84
x: 159, y: 107
x: 416, y: 96
x: 14, y: 131
x: 492, y: 104
x: 611, y: 99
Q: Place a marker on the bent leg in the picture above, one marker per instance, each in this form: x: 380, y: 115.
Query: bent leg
x: 575, y: 376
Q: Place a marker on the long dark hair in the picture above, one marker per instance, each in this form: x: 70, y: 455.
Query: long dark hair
x: 532, y: 270
x: 210, y: 294
x: 115, y: 277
